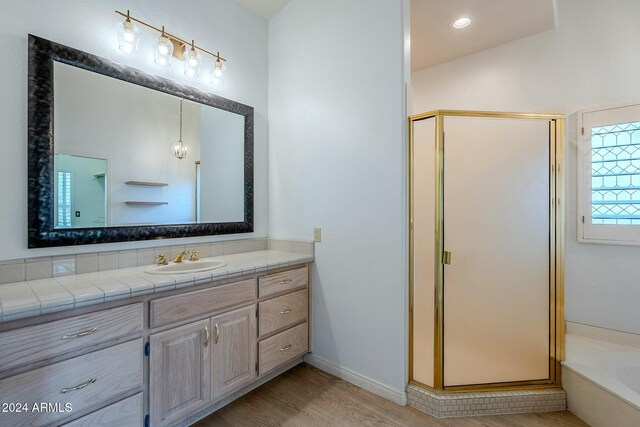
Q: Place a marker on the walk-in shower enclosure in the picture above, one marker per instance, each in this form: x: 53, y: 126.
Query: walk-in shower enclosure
x: 486, y: 250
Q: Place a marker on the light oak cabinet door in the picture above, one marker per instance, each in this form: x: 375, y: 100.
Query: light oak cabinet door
x: 234, y: 350
x: 180, y: 379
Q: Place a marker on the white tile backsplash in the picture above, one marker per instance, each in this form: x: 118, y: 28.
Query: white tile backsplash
x: 87, y: 263
x: 39, y: 268
x: 127, y: 259
x: 146, y: 256
x: 64, y: 266
x: 107, y: 261
x: 13, y: 271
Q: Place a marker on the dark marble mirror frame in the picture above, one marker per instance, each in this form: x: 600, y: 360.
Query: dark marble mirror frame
x: 41, y: 228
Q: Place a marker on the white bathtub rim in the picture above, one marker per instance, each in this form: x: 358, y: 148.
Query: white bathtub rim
x: 598, y: 384
x: 583, y: 358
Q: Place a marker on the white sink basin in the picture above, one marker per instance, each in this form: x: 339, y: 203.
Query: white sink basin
x: 186, y: 267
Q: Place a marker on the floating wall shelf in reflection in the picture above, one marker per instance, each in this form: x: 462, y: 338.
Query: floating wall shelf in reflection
x: 147, y: 183
x: 146, y: 203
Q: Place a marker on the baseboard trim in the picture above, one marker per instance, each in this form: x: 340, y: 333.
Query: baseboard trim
x: 375, y: 387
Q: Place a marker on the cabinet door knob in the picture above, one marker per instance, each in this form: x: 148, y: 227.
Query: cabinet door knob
x: 217, y: 336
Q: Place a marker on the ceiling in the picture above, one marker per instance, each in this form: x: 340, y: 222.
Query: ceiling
x: 265, y: 8
x: 495, y: 22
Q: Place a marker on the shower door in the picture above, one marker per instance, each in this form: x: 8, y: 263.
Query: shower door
x: 497, y: 251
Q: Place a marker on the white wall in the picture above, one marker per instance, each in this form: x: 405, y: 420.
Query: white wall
x: 336, y: 132
x: 223, y: 25
x: 590, y: 60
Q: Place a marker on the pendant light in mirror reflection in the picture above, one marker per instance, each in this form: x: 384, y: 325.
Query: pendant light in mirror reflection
x: 168, y: 46
x: 179, y: 149
x: 128, y: 36
x: 163, y: 51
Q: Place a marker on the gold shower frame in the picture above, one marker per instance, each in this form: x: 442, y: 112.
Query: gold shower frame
x: 556, y: 247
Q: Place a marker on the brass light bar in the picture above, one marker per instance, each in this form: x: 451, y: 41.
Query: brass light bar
x: 178, y: 43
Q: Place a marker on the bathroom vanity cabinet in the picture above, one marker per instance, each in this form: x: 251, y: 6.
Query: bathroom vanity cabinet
x: 163, y: 359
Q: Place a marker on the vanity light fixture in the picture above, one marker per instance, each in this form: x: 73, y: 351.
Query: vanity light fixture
x: 164, y: 50
x: 179, y: 149
x: 127, y: 35
x: 192, y: 61
x: 216, y: 75
x: 168, y: 46
x: 461, y: 23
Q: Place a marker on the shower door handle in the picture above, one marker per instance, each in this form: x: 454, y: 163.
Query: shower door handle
x: 446, y: 258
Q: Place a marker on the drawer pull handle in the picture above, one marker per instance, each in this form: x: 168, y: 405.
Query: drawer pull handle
x: 78, y: 387
x: 79, y: 334
x: 284, y: 282
x: 287, y: 311
x: 206, y: 339
x: 286, y: 348
x: 217, y: 337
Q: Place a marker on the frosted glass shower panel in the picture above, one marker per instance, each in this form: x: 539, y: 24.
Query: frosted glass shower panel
x: 423, y: 246
x: 496, y: 216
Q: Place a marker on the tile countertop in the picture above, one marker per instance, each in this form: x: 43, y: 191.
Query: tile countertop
x: 36, y: 297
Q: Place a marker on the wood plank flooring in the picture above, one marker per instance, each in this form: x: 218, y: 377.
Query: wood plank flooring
x: 305, y: 396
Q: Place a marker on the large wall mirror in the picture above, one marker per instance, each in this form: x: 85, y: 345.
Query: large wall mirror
x: 116, y: 154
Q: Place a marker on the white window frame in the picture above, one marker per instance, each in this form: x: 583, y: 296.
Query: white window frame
x: 587, y: 231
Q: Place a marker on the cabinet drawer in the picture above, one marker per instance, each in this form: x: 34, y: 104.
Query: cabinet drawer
x: 21, y: 346
x: 185, y: 306
x: 84, y: 382
x: 280, y: 348
x: 282, y: 282
x: 127, y: 412
x: 281, y: 312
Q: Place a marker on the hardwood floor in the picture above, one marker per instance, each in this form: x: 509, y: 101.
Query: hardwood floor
x: 305, y: 396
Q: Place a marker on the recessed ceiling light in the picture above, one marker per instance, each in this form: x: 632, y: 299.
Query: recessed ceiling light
x: 460, y: 23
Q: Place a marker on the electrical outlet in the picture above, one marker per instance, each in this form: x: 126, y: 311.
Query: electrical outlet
x: 317, y: 235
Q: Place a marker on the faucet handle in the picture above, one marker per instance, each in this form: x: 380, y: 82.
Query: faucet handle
x: 195, y: 255
x: 161, y: 259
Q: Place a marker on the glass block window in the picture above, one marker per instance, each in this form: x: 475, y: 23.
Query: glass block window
x: 64, y: 199
x: 615, y: 174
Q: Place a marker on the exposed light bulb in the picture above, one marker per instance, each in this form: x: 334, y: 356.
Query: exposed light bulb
x: 192, y: 61
x: 179, y: 150
x: 163, y: 51
x: 127, y: 36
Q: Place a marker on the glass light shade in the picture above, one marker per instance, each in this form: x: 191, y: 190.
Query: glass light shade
x: 127, y: 37
x: 192, y: 61
x: 217, y: 78
x: 163, y: 51
x: 179, y: 149
x: 218, y: 68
